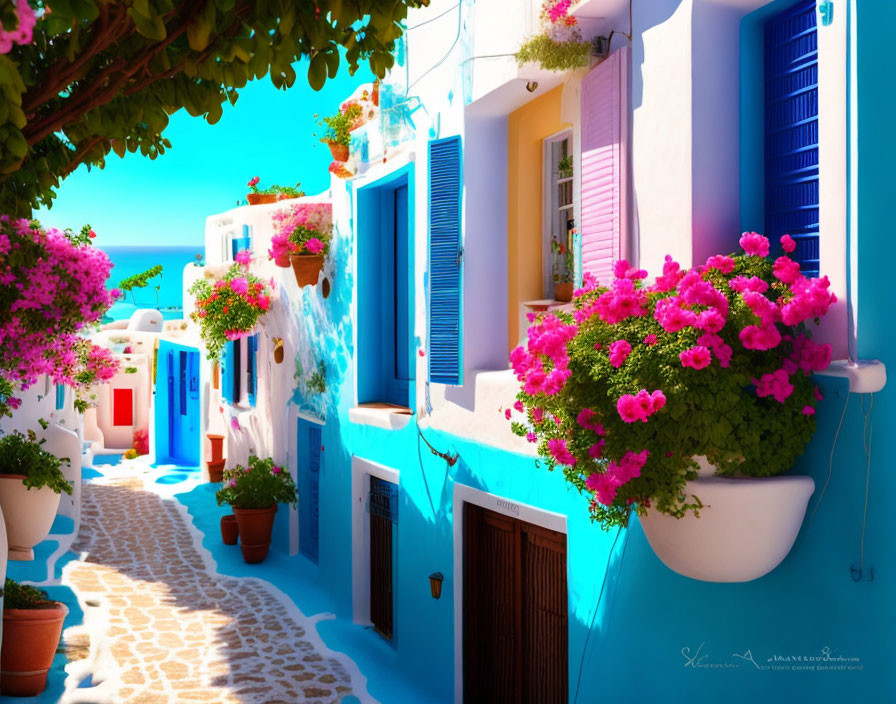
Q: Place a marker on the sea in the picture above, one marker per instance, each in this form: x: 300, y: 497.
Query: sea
x: 164, y: 292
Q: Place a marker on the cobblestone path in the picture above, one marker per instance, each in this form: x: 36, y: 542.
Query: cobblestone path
x: 175, y: 632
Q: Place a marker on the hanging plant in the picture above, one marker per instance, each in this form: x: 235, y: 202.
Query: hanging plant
x: 560, y: 46
x: 627, y: 391
x: 229, y: 308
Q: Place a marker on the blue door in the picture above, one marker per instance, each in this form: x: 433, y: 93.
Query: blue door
x: 309, y: 458
x: 179, y: 397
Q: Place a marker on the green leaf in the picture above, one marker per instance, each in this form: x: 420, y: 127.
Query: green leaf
x: 317, y: 71
x: 149, y: 27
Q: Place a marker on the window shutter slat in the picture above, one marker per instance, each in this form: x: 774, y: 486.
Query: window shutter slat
x: 604, y: 217
x: 445, y: 261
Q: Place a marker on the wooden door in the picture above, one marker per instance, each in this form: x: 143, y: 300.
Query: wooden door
x: 515, y: 611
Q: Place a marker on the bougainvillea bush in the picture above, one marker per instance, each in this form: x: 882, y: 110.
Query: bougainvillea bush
x: 52, y: 285
x: 627, y: 390
x: 303, y: 228
x: 229, y: 308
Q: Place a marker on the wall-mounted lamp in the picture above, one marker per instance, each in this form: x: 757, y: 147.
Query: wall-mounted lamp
x: 532, y: 86
x: 435, y: 584
x: 600, y: 47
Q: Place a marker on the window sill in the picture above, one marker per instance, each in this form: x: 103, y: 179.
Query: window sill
x: 865, y: 377
x: 548, y: 304
x: 380, y: 415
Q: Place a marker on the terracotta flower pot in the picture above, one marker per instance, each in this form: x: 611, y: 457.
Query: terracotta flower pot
x: 30, y: 639
x: 563, y: 291
x: 307, y: 268
x: 375, y: 93
x: 28, y: 513
x: 217, y: 442
x: 255, y: 526
x: 216, y: 471
x: 339, y: 151
x: 282, y: 261
x: 230, y: 531
x: 261, y: 198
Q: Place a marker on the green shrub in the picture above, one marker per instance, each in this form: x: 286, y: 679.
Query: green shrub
x: 24, y: 596
x: 553, y: 55
x: 24, y: 455
x: 259, y: 485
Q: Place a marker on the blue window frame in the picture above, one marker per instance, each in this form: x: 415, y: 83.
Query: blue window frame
x: 386, y: 364
x: 791, y: 131
x: 445, y: 259
x: 60, y: 397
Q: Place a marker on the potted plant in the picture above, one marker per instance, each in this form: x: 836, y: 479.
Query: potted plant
x: 559, y: 47
x: 564, y: 167
x: 629, y: 394
x: 254, y: 492
x: 229, y: 308
x: 564, y: 270
x: 31, y: 482
x: 337, y: 130
x: 260, y: 196
x: 32, y: 626
x: 303, y: 232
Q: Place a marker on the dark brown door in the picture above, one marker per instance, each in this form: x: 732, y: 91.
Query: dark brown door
x: 382, y: 515
x: 515, y: 611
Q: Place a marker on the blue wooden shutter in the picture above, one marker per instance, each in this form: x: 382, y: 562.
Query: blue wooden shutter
x: 227, y: 372
x: 60, y: 397
x: 791, y: 131
x: 251, y: 368
x: 240, y: 243
x: 445, y: 255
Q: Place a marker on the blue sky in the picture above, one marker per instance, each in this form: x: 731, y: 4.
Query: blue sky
x: 267, y: 134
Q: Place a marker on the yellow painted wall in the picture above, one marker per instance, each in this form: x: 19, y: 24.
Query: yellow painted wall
x: 527, y: 127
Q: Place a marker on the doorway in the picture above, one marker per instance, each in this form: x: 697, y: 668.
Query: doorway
x: 515, y: 611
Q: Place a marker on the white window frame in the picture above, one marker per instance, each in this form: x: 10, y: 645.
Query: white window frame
x: 548, y: 197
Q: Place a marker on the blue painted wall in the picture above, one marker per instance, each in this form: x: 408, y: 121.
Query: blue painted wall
x: 177, y: 444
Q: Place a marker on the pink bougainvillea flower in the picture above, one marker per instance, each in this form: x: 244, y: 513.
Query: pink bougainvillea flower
x: 672, y: 274
x: 596, y: 451
x: 721, y: 262
x: 276, y: 470
x: 557, y: 448
x: 764, y: 309
x: 818, y: 394
x: 531, y: 437
x: 244, y: 257
x: 808, y: 411
x: 786, y: 270
x: 239, y: 285
x: 650, y: 339
x: 623, y: 270
x: 604, y: 487
x: 742, y: 283
x: 641, y: 406
x: 670, y: 314
x: 775, y: 384
x: 507, y: 413
x: 619, y: 352
x: 755, y: 337
x: 697, y: 357
x: 314, y: 245
x: 754, y: 244
x: 788, y: 244
x: 811, y: 299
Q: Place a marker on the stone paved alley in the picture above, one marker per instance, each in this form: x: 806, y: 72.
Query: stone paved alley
x: 162, y: 626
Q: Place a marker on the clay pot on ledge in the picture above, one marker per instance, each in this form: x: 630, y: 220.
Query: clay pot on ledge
x: 261, y: 198
x: 28, y: 513
x: 282, y: 261
x: 563, y: 291
x: 230, y: 531
x: 255, y: 525
x: 278, y: 350
x: 216, y: 471
x: 340, y: 152
x: 307, y: 268
x: 217, y: 442
x: 30, y: 640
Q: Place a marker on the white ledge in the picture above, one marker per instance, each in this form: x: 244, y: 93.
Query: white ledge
x: 380, y: 415
x: 865, y: 376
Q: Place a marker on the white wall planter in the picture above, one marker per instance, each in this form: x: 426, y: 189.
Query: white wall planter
x: 745, y: 530
x: 27, y: 513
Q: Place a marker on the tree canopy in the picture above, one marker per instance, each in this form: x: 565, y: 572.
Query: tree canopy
x: 103, y: 76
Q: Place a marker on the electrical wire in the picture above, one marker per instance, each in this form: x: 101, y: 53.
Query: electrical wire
x: 830, y: 462
x: 433, y: 19
x: 599, y: 597
x: 447, y: 53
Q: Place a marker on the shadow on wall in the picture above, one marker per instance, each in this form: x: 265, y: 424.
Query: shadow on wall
x: 644, y: 17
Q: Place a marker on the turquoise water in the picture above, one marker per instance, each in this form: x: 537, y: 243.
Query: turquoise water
x: 128, y: 261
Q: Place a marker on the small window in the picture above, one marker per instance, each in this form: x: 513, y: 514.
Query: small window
x: 60, y: 397
x: 558, y: 217
x: 239, y: 371
x: 244, y: 241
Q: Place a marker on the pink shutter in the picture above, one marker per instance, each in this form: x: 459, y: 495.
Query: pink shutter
x: 604, y: 219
